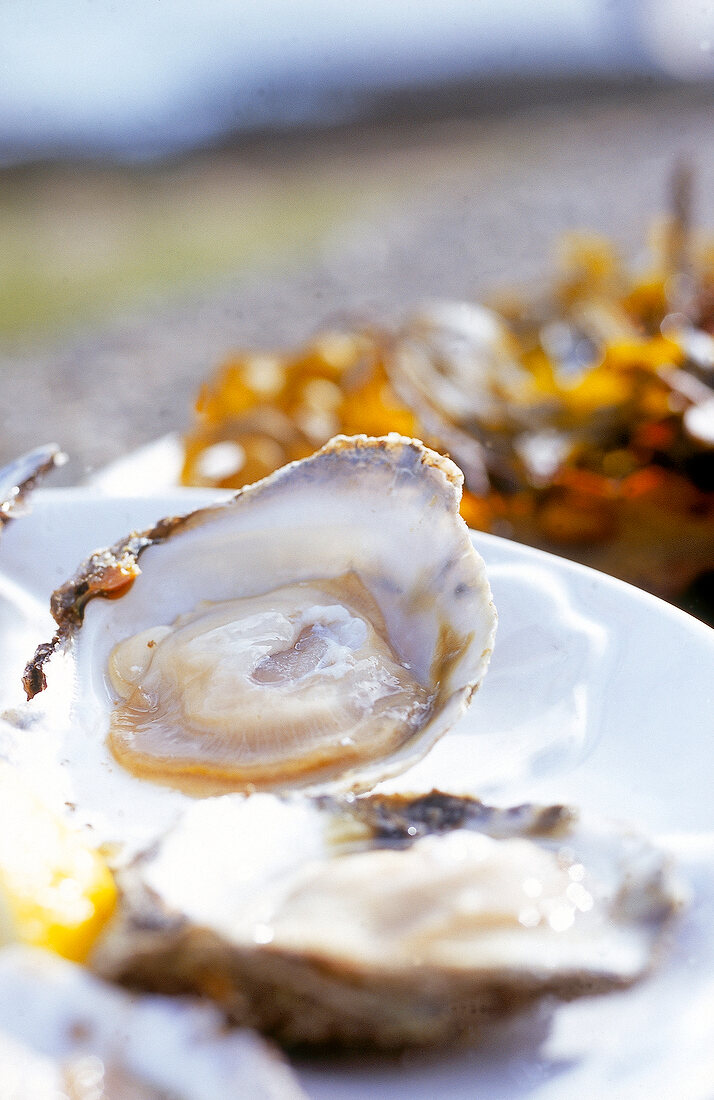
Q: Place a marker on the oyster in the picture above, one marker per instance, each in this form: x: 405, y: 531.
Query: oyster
x: 457, y: 364
x: 461, y: 356
x: 63, y: 1033
x: 327, y: 624
x: 386, y: 920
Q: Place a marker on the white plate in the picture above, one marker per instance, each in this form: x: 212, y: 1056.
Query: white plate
x: 598, y: 694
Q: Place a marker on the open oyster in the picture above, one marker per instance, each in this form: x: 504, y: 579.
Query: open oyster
x: 326, y: 624
x: 65, y: 1034
x: 386, y: 920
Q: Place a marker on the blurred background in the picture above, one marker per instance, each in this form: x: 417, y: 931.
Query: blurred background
x: 181, y: 178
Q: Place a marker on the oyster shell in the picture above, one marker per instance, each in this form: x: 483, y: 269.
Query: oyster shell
x: 20, y: 476
x: 460, y: 355
x: 327, y: 624
x: 386, y: 920
x: 457, y: 364
x: 63, y: 1033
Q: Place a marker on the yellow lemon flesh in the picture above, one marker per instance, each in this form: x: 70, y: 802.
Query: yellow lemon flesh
x: 55, y: 891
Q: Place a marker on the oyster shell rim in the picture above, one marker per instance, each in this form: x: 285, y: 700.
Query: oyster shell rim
x: 110, y: 572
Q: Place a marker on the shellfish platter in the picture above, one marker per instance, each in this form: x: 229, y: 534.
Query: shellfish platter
x: 469, y: 862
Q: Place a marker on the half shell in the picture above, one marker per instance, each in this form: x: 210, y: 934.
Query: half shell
x: 327, y: 624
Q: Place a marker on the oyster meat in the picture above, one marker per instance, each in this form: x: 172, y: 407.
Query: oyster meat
x: 64, y: 1033
x: 326, y: 625
x: 386, y: 920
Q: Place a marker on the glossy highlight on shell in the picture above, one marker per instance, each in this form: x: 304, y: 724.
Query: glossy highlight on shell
x: 327, y: 624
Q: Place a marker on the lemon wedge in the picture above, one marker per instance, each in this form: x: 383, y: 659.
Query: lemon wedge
x: 56, y: 892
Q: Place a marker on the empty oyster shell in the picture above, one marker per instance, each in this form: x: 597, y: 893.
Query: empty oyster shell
x: 63, y: 1033
x: 384, y: 920
x: 327, y: 624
